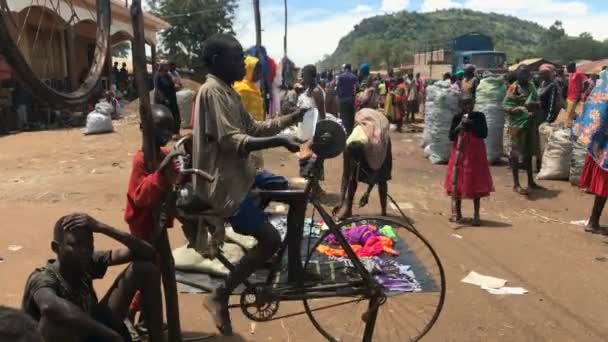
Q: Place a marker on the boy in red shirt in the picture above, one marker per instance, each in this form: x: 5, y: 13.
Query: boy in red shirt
x: 575, y: 91
x: 147, y: 190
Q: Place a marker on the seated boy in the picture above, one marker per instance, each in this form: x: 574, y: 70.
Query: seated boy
x: 61, y: 297
x: 224, y: 136
x: 16, y: 326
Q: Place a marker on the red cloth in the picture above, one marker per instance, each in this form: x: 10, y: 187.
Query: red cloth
x: 575, y: 85
x: 594, y: 178
x: 474, y: 178
x: 144, y: 196
x: 272, y: 69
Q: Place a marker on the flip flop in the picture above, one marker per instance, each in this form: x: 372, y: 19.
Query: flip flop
x: 220, y: 316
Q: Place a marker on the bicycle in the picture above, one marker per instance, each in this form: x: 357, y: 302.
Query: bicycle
x: 325, y: 301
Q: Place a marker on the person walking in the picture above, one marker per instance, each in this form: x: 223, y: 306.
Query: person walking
x: 346, y: 88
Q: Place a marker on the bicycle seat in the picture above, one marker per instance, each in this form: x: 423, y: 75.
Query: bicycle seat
x: 284, y: 196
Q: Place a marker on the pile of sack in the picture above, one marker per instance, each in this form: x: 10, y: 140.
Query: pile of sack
x: 562, y: 158
x: 100, y: 119
x: 490, y: 94
x: 441, y: 106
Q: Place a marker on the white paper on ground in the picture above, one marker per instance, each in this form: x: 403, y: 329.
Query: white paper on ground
x: 505, y: 290
x: 402, y: 205
x: 579, y: 222
x: 481, y: 280
x: 457, y: 236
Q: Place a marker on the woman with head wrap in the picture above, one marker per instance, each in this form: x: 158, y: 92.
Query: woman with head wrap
x: 591, y: 130
x: 251, y: 96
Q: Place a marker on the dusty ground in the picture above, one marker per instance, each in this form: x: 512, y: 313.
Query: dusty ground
x: 528, y: 242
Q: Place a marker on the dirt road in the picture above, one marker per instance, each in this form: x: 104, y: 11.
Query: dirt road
x: 526, y: 241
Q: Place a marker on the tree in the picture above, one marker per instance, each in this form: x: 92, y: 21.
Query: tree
x: 192, y: 22
x: 121, y: 49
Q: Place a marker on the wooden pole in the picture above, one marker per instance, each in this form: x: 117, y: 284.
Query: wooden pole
x: 151, y: 157
x: 285, y: 36
x: 258, y: 25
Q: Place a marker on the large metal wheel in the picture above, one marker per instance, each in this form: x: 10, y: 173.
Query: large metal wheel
x: 406, y: 310
x: 40, y: 43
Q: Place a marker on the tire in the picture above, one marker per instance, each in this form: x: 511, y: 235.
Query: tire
x: 339, y: 318
x: 33, y: 83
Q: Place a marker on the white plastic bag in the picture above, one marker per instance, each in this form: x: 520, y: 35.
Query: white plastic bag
x: 441, y: 106
x: 184, y: 103
x: 306, y: 129
x: 104, y: 108
x: 556, y: 157
x: 579, y: 152
x: 98, y: 123
x: 489, y: 96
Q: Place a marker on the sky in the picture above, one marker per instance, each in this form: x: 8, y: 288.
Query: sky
x: 316, y: 26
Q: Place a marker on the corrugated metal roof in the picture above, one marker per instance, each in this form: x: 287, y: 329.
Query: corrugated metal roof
x: 593, y: 67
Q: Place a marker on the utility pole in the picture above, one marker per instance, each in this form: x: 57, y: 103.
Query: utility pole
x: 258, y: 25
x: 259, y: 54
x: 285, y: 36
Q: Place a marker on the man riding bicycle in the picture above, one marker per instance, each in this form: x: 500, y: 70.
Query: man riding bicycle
x: 224, y: 136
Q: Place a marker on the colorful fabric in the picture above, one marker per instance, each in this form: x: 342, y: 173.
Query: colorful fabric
x: 520, y: 96
x: 594, y: 178
x: 474, y: 178
x: 388, y: 232
x: 250, y: 94
x: 376, y: 127
x: 591, y: 128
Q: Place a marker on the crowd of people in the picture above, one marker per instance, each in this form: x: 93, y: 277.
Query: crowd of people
x: 230, y: 132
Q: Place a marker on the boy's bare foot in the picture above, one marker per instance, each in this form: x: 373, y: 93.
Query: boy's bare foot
x: 218, y: 310
x: 456, y: 219
x: 518, y: 189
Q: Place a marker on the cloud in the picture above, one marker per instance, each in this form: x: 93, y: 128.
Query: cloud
x: 575, y: 15
x: 434, y: 5
x: 311, y: 34
x: 362, y: 9
x: 394, y: 5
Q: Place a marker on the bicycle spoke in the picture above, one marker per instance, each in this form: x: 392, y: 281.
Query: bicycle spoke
x: 414, y: 287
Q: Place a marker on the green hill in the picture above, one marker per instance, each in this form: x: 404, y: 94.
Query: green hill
x: 394, y: 38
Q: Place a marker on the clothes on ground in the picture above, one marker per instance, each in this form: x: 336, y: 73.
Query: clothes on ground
x: 83, y: 296
x: 594, y: 178
x: 250, y: 94
x: 145, y: 195
x: 365, y: 240
x: 474, y: 178
x: 396, y: 277
x: 591, y: 128
x: 388, y: 232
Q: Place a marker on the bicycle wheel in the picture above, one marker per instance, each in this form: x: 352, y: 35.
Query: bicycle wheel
x: 413, y: 284
x: 41, y: 39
